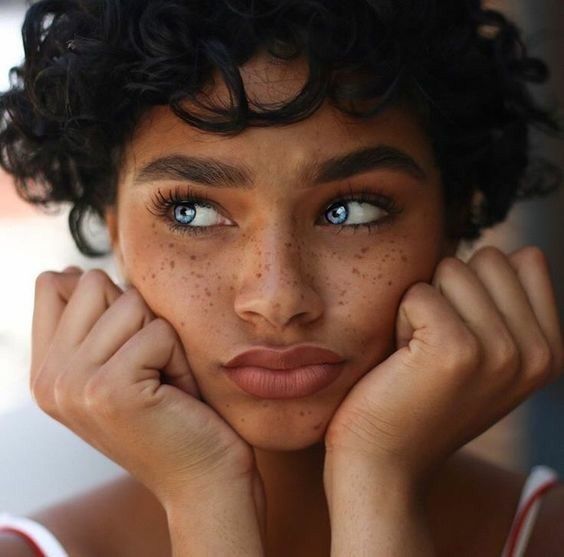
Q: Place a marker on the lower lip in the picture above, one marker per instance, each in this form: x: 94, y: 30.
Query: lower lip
x: 279, y: 384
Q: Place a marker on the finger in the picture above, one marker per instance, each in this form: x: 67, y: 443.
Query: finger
x: 52, y: 293
x: 94, y: 293
x: 124, y: 318
x: 426, y: 321
x: 501, y: 281
x: 532, y: 268
x: 460, y: 285
x: 155, y: 349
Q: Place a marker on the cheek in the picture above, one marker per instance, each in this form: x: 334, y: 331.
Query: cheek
x: 367, y: 285
x: 177, y: 285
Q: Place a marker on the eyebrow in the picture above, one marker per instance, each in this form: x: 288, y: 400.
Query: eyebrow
x: 216, y: 173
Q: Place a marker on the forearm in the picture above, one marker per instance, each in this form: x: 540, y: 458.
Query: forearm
x: 373, y: 513
x: 222, y: 521
x: 11, y: 545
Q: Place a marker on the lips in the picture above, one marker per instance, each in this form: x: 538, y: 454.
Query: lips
x: 290, y: 358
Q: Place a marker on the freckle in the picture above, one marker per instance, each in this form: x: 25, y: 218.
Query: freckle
x: 379, y: 276
x: 211, y: 304
x: 242, y: 419
x: 404, y: 258
x: 355, y: 271
x: 309, y: 411
x: 318, y: 425
x: 341, y: 303
x: 343, y: 292
x: 171, y: 245
x: 153, y: 275
x: 390, y: 283
x: 172, y: 264
x: 192, y: 257
x: 208, y: 293
x: 143, y: 278
x: 259, y: 275
x: 232, y: 288
x: 265, y: 405
x: 228, y: 405
x: 183, y: 323
x: 358, y: 257
x: 288, y: 244
x: 302, y: 413
x: 277, y: 305
x: 363, y: 250
x: 153, y: 225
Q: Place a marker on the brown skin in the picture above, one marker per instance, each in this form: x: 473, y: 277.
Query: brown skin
x: 290, y: 280
x: 278, y: 273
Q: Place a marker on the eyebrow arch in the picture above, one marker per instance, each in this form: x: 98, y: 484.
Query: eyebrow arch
x: 215, y: 173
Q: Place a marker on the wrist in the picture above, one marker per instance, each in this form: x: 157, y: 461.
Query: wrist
x: 372, y: 505
x: 219, y: 519
x: 391, y: 484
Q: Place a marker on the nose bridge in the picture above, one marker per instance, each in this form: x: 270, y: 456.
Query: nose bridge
x: 276, y: 282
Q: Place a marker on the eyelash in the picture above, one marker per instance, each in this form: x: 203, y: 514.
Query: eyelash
x: 160, y: 206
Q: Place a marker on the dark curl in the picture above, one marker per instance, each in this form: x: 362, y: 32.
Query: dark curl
x: 93, y: 67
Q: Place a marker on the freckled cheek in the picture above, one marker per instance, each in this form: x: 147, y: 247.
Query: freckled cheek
x: 367, y: 285
x: 182, y: 288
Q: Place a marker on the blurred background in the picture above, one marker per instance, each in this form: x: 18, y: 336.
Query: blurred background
x: 42, y: 462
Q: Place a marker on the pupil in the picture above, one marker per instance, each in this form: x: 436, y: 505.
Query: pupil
x: 184, y: 214
x: 338, y: 214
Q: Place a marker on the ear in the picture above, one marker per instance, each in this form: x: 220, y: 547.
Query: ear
x: 111, y: 218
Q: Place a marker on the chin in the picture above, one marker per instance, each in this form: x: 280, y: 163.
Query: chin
x: 280, y: 438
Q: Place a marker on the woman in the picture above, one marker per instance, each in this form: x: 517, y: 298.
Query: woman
x: 296, y: 355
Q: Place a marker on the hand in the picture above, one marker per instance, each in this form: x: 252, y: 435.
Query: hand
x: 470, y: 348
x: 111, y: 371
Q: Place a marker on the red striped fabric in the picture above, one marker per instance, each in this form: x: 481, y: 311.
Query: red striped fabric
x: 30, y: 541
x: 522, y: 515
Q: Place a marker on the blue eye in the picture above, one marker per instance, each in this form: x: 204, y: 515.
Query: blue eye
x: 183, y: 214
x: 338, y: 213
x: 357, y: 212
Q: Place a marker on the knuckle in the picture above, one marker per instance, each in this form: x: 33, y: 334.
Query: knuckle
x: 448, y: 266
x: 465, y: 352
x: 540, y: 360
x: 93, y: 278
x: 416, y: 292
x: 45, y: 279
x: 506, y: 356
x: 486, y: 256
x: 97, y: 395
x: 163, y: 328
x: 43, y: 396
x: 530, y: 255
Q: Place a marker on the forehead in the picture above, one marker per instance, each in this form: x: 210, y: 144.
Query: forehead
x: 279, y: 148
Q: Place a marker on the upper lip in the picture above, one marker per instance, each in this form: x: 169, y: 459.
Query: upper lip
x: 289, y: 358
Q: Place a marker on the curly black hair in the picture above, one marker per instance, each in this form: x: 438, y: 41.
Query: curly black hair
x: 93, y: 67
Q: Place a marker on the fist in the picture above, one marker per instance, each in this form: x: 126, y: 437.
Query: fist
x: 104, y: 365
x: 471, y: 347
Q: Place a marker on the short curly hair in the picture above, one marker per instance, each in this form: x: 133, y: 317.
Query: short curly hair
x: 93, y: 67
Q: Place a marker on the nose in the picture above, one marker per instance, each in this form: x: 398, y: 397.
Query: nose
x: 274, y: 288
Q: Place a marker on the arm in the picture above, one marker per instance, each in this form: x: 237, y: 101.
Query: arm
x: 373, y: 513
x: 120, y: 518
x: 13, y: 546
x: 225, y: 522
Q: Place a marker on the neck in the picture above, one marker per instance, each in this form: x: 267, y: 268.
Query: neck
x: 297, y: 510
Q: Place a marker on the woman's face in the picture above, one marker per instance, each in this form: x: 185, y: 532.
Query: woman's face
x: 280, y: 262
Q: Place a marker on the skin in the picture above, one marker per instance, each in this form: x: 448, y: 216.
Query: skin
x: 290, y: 280
x: 430, y: 343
